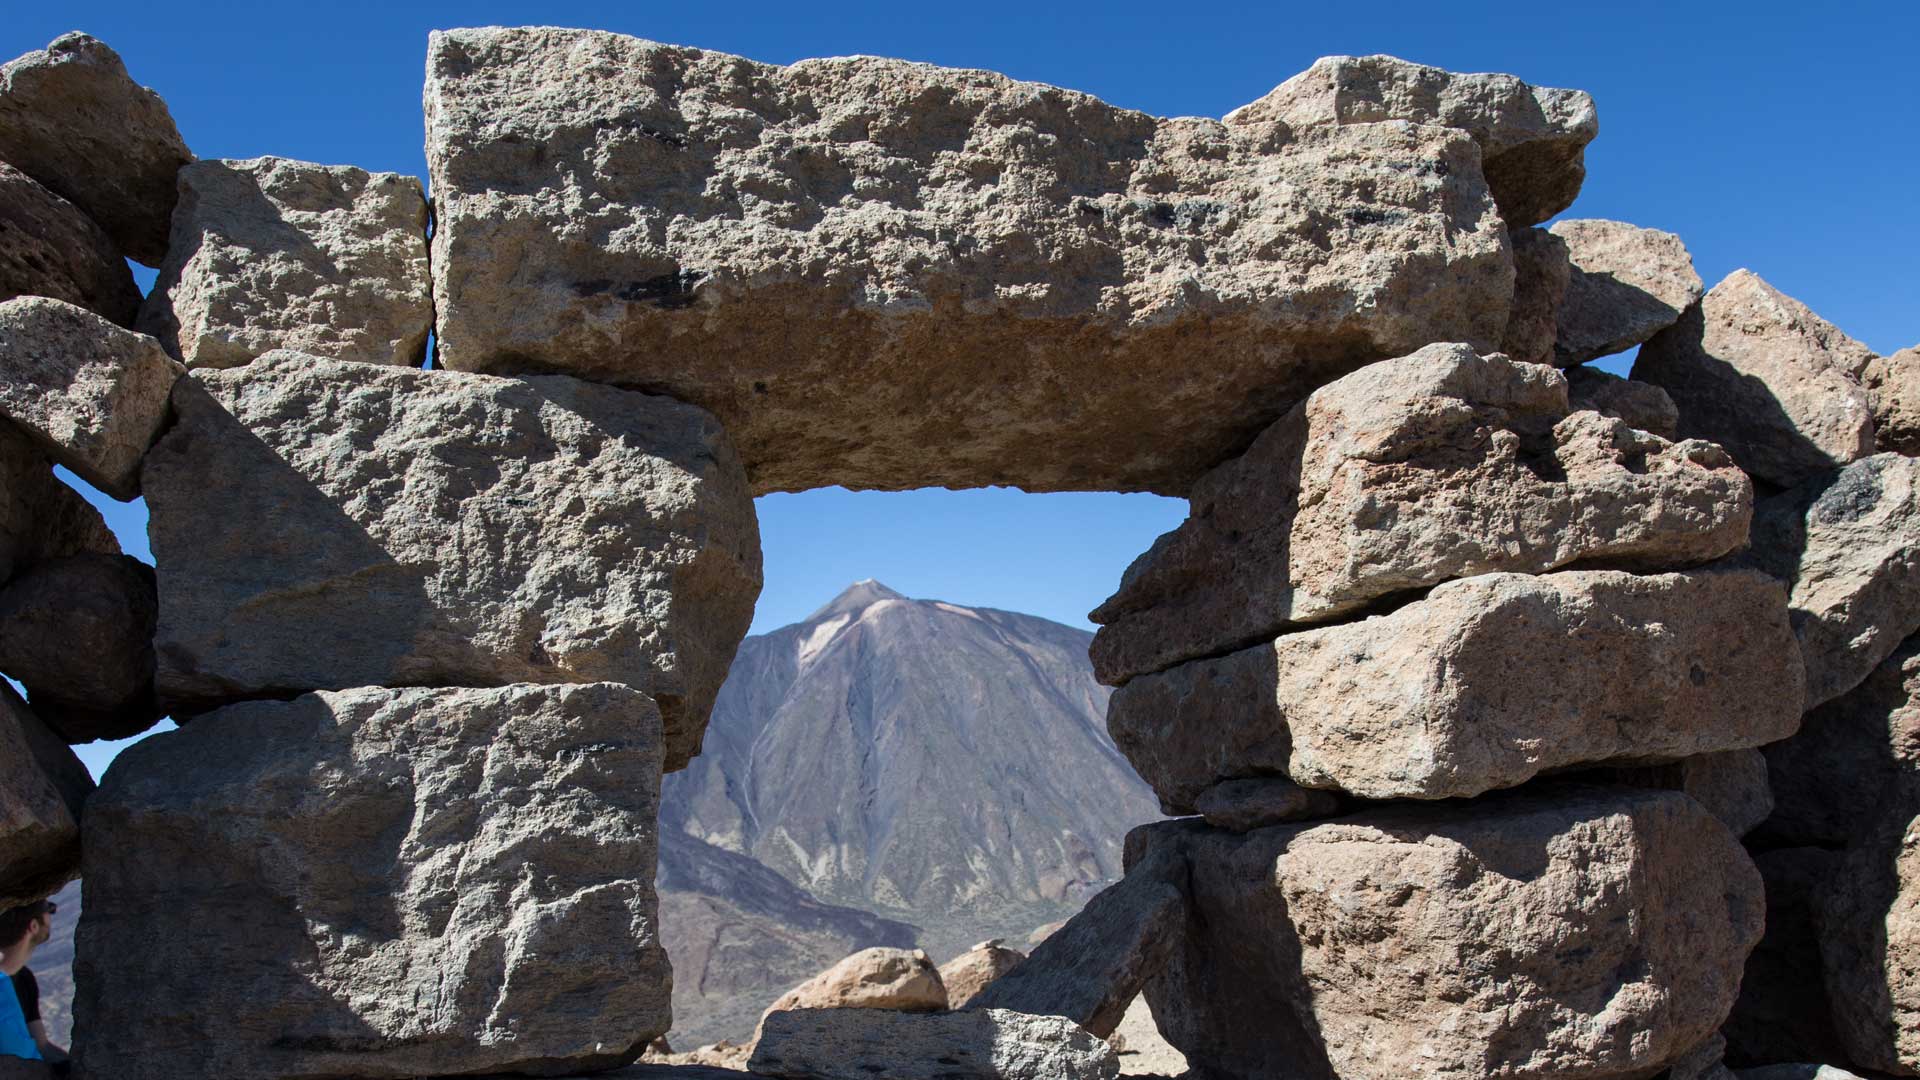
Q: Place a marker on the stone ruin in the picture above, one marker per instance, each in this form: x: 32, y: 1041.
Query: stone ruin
x: 1519, y: 720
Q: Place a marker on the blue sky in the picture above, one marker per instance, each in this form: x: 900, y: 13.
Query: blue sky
x: 1780, y: 137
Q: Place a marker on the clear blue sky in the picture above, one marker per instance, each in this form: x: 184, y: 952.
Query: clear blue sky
x: 1781, y: 137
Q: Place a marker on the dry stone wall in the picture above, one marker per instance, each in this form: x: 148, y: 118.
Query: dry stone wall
x: 1471, y: 672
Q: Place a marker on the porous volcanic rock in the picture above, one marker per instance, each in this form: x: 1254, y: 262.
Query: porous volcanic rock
x: 1541, y: 271
x: 1868, y: 919
x: 1641, y: 405
x: 972, y: 971
x: 1093, y: 967
x: 1759, y: 373
x: 1438, y: 465
x: 72, y: 119
x: 1628, y: 284
x: 94, y: 396
x: 1833, y: 773
x: 890, y: 275
x: 1703, y: 1062
x: 49, y: 248
x: 1782, y: 1013
x: 861, y: 1044
x: 1569, y: 933
x: 1533, y: 138
x: 1893, y: 390
x: 42, y: 789
x: 276, y: 254
x: 1255, y: 802
x: 40, y: 517
x: 1428, y: 702
x: 378, y: 883
x: 1848, y: 544
x: 321, y: 524
x: 903, y: 980
x: 78, y: 633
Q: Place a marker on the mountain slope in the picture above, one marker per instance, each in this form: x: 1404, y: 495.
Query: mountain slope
x: 944, y: 765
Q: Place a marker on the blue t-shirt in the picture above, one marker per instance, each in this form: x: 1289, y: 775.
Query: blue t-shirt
x: 15, y: 1039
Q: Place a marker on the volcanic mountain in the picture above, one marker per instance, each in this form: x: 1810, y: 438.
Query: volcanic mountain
x: 931, y: 764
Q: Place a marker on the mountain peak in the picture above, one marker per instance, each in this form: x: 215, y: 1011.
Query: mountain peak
x: 855, y: 597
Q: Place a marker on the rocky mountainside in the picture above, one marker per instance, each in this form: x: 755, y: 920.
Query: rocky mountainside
x: 932, y: 764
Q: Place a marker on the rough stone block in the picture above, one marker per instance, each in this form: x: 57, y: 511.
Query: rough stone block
x: 1568, y: 934
x: 94, y: 396
x: 49, y: 248
x: 1628, y: 284
x: 321, y: 524
x: 1541, y: 271
x: 1867, y: 916
x: 891, y: 275
x: 72, y: 119
x: 1757, y: 372
x: 1407, y: 473
x: 1533, y: 138
x: 276, y: 254
x: 377, y: 883
x: 1485, y: 683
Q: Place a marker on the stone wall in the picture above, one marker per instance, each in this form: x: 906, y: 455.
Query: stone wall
x: 1469, y: 674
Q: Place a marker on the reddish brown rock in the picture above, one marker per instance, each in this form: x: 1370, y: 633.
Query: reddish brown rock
x: 49, y: 248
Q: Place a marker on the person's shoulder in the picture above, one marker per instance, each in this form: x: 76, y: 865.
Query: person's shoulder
x: 24, y: 978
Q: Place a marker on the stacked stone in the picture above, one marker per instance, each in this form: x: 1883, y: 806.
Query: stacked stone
x: 87, y: 159
x: 1825, y: 428
x: 1460, y: 668
x: 432, y: 637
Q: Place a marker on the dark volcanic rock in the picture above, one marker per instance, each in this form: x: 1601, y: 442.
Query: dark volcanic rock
x: 49, y: 248
x: 42, y: 789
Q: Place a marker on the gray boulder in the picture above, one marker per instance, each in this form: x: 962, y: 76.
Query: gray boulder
x: 1893, y: 390
x: 321, y: 524
x: 1483, y: 684
x: 1757, y: 372
x: 378, y: 883
x: 1092, y: 968
x: 987, y: 1044
x: 277, y: 254
x: 1407, y: 473
x: 1533, y: 138
x: 49, y: 248
x: 890, y: 275
x: 1847, y: 543
x: 40, y: 517
x: 72, y: 119
x: 94, y: 396
x: 1628, y: 284
x: 42, y: 789
x: 78, y: 633
x: 1571, y: 933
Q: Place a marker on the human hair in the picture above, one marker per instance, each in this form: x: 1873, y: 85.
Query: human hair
x: 15, y: 922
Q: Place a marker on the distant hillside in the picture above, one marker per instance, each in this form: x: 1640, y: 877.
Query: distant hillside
x: 942, y: 765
